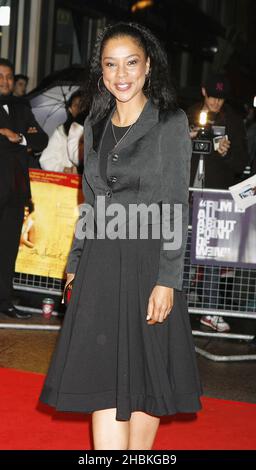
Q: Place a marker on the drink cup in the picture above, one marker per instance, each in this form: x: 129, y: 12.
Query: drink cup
x: 47, y: 308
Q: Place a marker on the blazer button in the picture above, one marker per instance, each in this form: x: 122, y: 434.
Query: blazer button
x: 109, y: 193
x: 115, y: 157
x: 113, y: 179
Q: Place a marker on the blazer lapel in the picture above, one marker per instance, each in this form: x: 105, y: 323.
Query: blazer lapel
x: 11, y: 114
x: 147, y: 119
x: 97, y: 132
x: 4, y: 116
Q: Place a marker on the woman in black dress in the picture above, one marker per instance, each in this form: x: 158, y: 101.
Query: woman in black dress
x: 126, y: 352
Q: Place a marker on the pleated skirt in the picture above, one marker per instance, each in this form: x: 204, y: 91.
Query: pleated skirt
x: 107, y: 355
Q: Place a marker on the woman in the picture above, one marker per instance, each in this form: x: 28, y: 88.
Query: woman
x: 126, y: 351
x: 75, y: 145
x: 28, y: 228
x: 55, y: 156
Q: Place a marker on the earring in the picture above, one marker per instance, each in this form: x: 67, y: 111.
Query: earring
x: 99, y: 85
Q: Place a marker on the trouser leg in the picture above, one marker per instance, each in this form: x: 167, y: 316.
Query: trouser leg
x: 11, y: 219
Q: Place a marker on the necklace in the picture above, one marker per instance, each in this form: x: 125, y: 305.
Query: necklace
x: 120, y: 140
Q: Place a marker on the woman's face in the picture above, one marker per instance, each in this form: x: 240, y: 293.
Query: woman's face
x: 26, y: 212
x: 124, y: 67
x: 74, y: 109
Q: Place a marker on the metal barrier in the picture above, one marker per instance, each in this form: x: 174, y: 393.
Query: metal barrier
x: 214, y: 290
x: 210, y: 291
x: 39, y: 284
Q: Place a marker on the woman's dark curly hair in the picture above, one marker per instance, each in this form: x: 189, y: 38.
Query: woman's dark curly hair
x: 70, y: 119
x: 159, y: 89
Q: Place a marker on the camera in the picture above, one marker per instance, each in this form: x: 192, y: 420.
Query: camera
x: 209, y: 135
x: 202, y: 146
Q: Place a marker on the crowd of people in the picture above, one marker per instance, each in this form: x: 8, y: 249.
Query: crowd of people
x: 63, y: 152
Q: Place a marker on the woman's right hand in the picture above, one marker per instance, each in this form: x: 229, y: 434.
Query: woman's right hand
x: 70, y: 277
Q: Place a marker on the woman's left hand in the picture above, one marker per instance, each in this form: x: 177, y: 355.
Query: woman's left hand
x: 160, y: 304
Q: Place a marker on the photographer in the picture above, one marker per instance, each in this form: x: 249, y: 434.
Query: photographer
x: 224, y: 166
x: 225, y: 162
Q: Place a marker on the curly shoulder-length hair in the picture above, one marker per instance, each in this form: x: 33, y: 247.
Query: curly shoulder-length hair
x: 157, y: 85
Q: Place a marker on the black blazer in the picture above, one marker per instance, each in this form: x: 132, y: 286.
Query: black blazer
x: 14, y: 176
x: 150, y: 165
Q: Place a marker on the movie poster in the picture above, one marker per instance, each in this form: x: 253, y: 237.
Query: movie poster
x: 49, y: 222
x: 223, y: 234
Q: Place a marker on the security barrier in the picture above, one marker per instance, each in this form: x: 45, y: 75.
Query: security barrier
x: 216, y: 290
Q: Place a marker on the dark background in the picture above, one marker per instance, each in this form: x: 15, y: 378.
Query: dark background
x: 200, y: 36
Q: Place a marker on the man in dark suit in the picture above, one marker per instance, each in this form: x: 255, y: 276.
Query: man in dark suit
x: 18, y: 130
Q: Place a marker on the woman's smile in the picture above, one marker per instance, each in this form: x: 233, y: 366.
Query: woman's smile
x: 123, y: 86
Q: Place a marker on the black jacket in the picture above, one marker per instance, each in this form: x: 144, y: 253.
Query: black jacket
x: 14, y: 176
x: 222, y: 172
x: 151, y: 165
x: 253, y: 167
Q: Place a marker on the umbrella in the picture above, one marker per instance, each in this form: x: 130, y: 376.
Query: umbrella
x: 48, y: 100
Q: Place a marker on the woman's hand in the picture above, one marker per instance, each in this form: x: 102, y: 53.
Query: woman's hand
x: 70, y: 277
x: 160, y: 304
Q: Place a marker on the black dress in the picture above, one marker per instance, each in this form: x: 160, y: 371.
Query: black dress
x: 107, y: 356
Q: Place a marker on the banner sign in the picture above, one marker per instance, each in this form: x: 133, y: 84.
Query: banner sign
x: 49, y: 222
x: 222, y: 233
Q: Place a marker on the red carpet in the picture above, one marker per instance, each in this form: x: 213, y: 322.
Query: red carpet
x: 26, y: 424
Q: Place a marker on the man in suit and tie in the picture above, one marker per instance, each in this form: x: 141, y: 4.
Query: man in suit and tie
x: 18, y: 130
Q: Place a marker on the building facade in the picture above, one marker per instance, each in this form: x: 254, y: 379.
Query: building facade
x: 48, y: 35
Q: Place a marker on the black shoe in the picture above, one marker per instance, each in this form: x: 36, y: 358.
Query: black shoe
x: 13, y: 312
